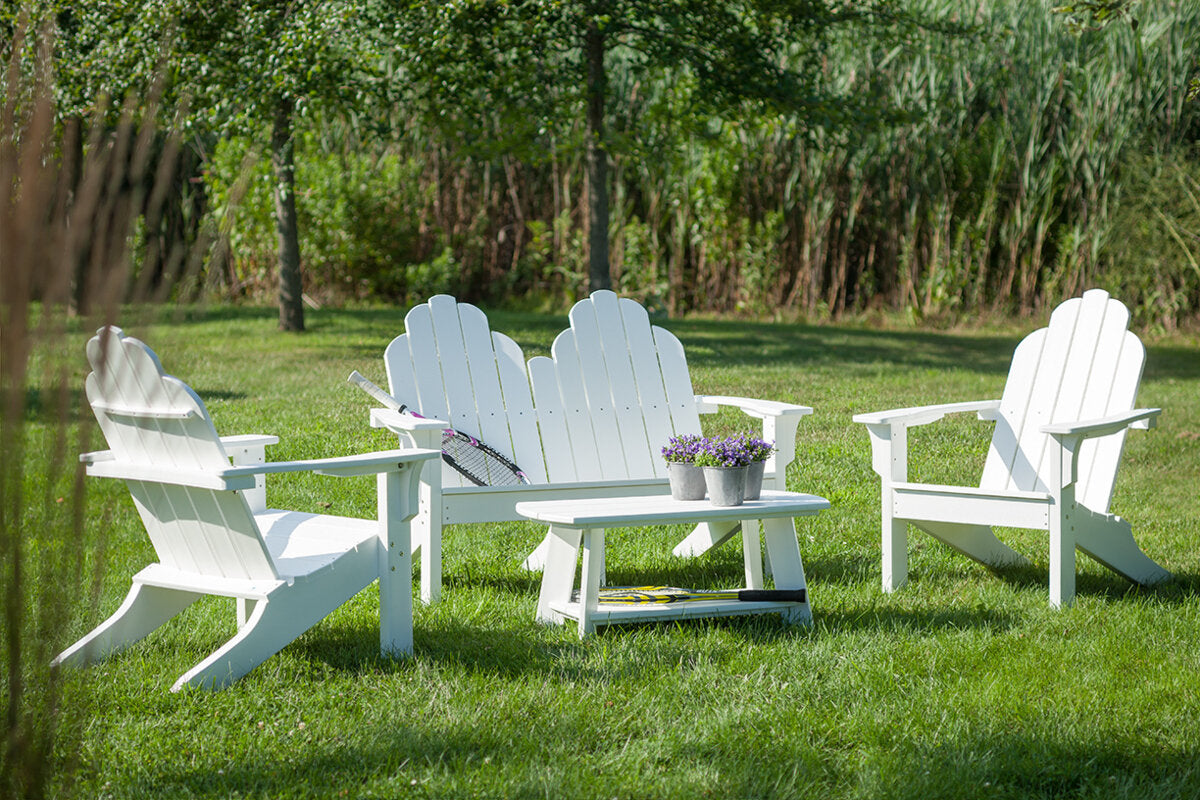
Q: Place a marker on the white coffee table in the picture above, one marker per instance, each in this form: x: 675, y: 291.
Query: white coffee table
x: 583, y: 521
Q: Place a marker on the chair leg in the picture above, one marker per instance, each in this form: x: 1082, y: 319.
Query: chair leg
x: 248, y: 648
x: 558, y: 575
x: 1062, y: 555
x: 1109, y: 540
x: 895, y: 550
x: 536, y: 560
x: 144, y: 610
x: 426, y: 535
x: 705, y: 537
x: 974, y: 541
x: 274, y: 623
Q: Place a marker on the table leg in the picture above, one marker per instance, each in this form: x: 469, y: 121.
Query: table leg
x: 589, y: 580
x: 752, y: 554
x: 784, y: 552
x: 558, y: 572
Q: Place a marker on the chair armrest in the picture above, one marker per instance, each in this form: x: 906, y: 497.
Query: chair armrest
x: 396, y: 422
x: 96, y: 457
x: 779, y: 424
x: 923, y: 415
x: 707, y: 404
x: 1143, y: 418
x: 249, y: 440
x: 341, y: 466
x: 242, y: 476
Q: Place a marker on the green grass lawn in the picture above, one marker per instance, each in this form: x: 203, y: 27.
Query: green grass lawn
x: 964, y: 684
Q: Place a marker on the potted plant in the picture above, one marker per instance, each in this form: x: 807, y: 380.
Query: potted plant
x: 758, y: 451
x: 686, y: 479
x: 725, y: 463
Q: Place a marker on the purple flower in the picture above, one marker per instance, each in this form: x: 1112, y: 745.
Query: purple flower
x: 738, y: 450
x: 683, y: 448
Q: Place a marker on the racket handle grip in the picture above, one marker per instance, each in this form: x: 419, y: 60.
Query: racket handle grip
x: 772, y: 595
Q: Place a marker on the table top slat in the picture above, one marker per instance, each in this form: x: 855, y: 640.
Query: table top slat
x: 620, y: 512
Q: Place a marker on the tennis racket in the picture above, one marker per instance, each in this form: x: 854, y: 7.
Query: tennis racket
x: 477, y: 462
x: 641, y: 595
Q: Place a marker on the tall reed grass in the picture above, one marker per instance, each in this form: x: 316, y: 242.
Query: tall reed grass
x: 1008, y: 186
x: 66, y: 229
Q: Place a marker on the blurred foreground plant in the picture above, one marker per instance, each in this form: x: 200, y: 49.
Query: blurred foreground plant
x: 65, y: 231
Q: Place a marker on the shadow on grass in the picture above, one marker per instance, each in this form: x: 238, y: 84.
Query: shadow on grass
x: 713, y: 343
x: 52, y: 408
x: 1107, y: 586
x: 709, y: 343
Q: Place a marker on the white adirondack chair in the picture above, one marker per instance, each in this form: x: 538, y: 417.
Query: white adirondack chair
x: 588, y: 421
x: 213, y: 533
x: 1060, y: 430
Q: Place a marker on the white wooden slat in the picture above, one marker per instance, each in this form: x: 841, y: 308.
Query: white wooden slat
x: 178, y: 518
x: 173, y: 547
x: 652, y: 395
x: 576, y: 411
x: 598, y: 386
x: 662, y: 510
x: 518, y: 402
x: 552, y: 421
x: 112, y: 368
x: 484, y: 376
x: 114, y: 433
x: 627, y: 402
x: 1099, y: 392
x: 203, y: 519
x: 398, y: 364
x: 1043, y: 393
x: 427, y: 372
x: 211, y: 530
x: 1100, y: 459
x: 1086, y: 337
x: 115, y: 359
x: 232, y: 533
x: 139, y: 379
x: 241, y: 534
x: 681, y: 398
x: 134, y: 413
x: 1010, y: 417
x: 456, y: 375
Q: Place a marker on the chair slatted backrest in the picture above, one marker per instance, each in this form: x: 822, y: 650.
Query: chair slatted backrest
x: 1085, y: 364
x: 449, y: 365
x: 612, y: 392
x: 152, y: 419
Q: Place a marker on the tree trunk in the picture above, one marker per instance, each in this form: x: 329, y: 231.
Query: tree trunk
x: 291, y: 303
x: 597, y: 163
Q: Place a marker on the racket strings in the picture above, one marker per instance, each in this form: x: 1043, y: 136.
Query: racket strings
x: 478, y: 463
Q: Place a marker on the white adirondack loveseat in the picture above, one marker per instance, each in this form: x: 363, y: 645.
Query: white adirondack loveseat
x: 588, y: 421
x: 1060, y: 429
x: 213, y: 533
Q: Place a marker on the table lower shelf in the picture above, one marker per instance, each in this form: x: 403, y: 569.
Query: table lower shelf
x: 613, y: 614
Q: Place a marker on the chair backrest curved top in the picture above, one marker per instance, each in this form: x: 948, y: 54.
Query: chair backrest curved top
x: 449, y: 364
x: 614, y: 390
x: 150, y: 418
x: 1085, y: 364
x: 601, y: 407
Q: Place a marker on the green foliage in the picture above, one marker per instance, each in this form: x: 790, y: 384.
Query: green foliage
x: 909, y: 169
x: 1155, y: 248
x: 359, y: 217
